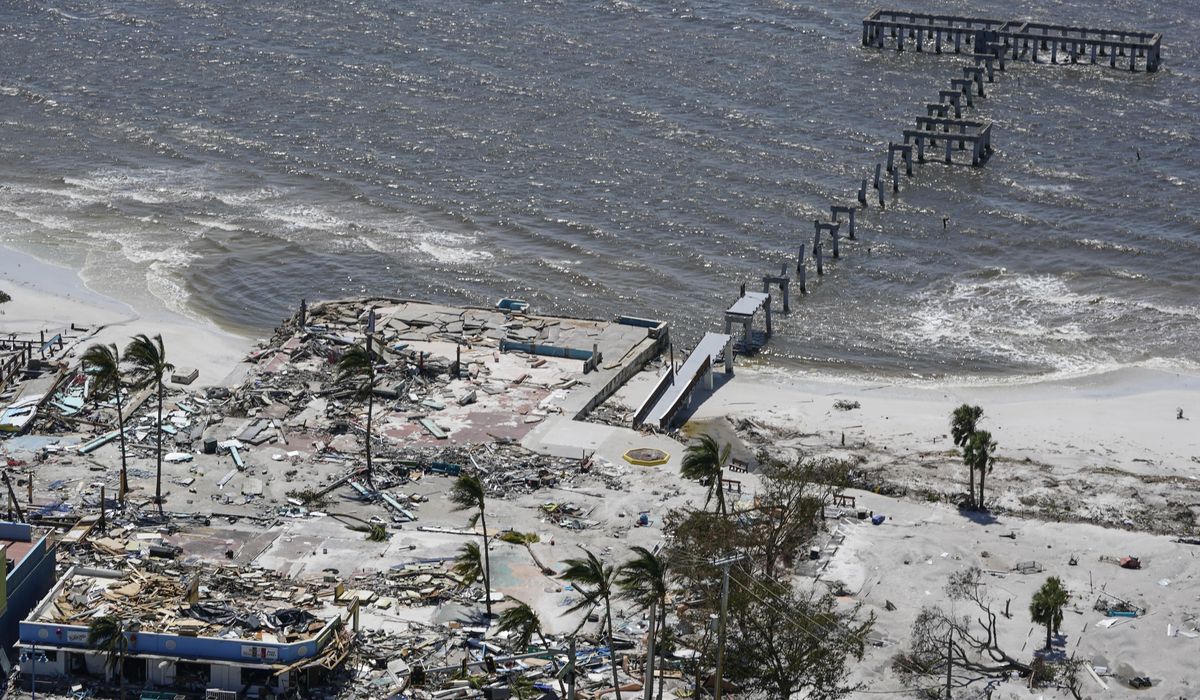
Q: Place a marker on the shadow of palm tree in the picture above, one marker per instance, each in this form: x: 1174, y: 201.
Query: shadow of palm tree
x: 977, y: 516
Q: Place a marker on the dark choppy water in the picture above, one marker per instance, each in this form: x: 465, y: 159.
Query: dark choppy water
x: 603, y: 157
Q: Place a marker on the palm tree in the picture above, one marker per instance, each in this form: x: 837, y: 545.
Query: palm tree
x: 644, y: 580
x: 978, y: 454
x: 107, y: 634
x: 468, y: 565
x: 360, y: 362
x: 468, y: 492
x: 594, y: 581
x: 103, y: 362
x: 705, y: 460
x: 1046, y: 606
x: 524, y: 622
x: 963, y: 423
x: 149, y: 361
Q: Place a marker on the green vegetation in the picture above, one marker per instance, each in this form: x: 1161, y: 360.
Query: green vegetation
x: 1046, y: 607
x: 705, y: 461
x: 468, y: 494
x: 514, y: 537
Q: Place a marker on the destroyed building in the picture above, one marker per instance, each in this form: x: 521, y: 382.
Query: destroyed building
x: 30, y: 557
x: 235, y: 630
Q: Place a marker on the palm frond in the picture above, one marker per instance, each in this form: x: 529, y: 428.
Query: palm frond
x: 107, y: 634
x: 467, y: 492
x: 964, y: 422
x: 522, y: 621
x: 644, y: 578
x: 148, y: 358
x: 103, y: 363
x: 468, y: 566
x: 356, y: 362
x: 593, y: 580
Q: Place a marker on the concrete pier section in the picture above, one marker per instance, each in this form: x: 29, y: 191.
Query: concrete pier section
x: 1014, y: 40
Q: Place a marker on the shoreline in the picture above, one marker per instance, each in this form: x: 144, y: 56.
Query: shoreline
x: 47, y: 296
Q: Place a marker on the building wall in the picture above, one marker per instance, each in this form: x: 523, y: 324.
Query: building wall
x: 158, y: 674
x: 27, y: 584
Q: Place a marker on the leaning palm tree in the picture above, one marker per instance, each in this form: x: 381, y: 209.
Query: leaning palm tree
x: 103, y: 363
x: 149, y: 360
x: 107, y: 634
x: 1046, y: 606
x: 705, y: 460
x: 360, y: 362
x: 594, y: 581
x: 644, y: 580
x: 468, y: 492
x: 963, y: 423
x: 979, y: 455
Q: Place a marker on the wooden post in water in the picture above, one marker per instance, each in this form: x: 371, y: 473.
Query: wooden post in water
x: 817, y: 251
x: 800, y: 271
x: 836, y: 211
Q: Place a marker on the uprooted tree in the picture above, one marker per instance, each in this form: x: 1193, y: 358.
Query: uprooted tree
x: 970, y: 643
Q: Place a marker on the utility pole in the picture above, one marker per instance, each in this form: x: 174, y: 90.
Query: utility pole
x: 571, y: 669
x: 949, y: 661
x: 724, y: 563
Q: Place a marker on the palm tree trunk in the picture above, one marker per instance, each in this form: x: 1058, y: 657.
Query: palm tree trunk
x: 121, y: 670
x: 720, y: 493
x: 370, y: 411
x: 612, y: 652
x: 662, y: 626
x: 487, y: 564
x: 158, y: 475
x: 653, y: 616
x: 124, y: 486
x: 982, y: 476
x: 971, y: 469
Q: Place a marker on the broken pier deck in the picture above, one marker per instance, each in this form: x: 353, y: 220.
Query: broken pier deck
x: 1012, y: 39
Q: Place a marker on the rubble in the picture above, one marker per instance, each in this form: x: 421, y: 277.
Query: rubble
x: 267, y: 495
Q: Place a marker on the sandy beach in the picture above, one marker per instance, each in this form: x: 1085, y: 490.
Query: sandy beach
x: 50, y: 298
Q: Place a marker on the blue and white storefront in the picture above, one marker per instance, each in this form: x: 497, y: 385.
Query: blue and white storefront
x: 255, y: 668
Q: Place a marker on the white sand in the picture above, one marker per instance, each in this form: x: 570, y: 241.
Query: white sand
x: 50, y: 298
x: 1107, y: 447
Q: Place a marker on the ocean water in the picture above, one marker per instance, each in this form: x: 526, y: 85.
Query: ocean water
x: 225, y: 159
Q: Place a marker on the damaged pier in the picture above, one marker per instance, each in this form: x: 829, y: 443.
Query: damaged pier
x: 1013, y: 39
